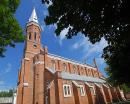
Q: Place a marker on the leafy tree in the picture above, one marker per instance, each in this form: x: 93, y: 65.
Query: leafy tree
x: 114, y: 82
x: 125, y: 88
x: 10, y: 31
x: 6, y: 93
x: 96, y: 19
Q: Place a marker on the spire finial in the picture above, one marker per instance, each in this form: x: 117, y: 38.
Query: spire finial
x: 33, y: 17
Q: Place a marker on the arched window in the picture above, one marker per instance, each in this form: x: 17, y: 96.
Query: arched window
x: 86, y: 71
x: 74, y: 69
x: 39, y: 39
x: 89, y: 72
x: 53, y: 65
x: 82, y: 71
x: 64, y: 67
x: 29, y: 36
x: 35, y: 36
x: 95, y: 74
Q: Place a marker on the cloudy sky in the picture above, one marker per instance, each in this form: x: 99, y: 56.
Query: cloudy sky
x: 78, y: 48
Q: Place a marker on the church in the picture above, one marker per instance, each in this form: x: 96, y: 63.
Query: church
x: 45, y: 78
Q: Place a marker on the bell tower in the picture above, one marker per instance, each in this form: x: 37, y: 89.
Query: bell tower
x: 25, y: 89
x: 33, y: 37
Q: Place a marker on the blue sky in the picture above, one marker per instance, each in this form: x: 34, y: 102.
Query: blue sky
x: 78, y: 48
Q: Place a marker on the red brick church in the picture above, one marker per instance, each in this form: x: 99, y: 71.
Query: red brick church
x: 45, y: 78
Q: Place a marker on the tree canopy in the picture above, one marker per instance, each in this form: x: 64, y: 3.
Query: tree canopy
x: 10, y: 31
x: 6, y: 93
x: 96, y: 19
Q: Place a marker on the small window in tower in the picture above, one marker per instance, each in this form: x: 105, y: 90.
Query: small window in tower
x: 39, y: 38
x: 29, y: 35
x: 34, y: 45
x: 35, y: 36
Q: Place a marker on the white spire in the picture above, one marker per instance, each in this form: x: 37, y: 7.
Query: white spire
x: 33, y: 17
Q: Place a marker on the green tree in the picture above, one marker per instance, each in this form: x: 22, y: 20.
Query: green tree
x: 114, y: 82
x: 96, y: 19
x: 6, y: 93
x: 10, y: 31
x: 125, y: 88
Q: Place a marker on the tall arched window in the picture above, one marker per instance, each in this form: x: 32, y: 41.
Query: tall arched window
x: 89, y: 72
x: 86, y: 71
x: 82, y: 71
x: 64, y: 67
x: 74, y: 69
x: 39, y: 39
x: 29, y: 36
x: 53, y: 65
x: 35, y: 36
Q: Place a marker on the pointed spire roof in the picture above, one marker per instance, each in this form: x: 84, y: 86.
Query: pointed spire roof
x: 33, y: 17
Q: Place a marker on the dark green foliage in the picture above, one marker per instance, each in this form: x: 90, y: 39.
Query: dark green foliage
x: 96, y: 19
x: 125, y: 88
x: 6, y: 93
x: 10, y: 31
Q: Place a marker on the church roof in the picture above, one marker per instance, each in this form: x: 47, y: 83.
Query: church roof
x: 33, y: 17
x: 73, y: 77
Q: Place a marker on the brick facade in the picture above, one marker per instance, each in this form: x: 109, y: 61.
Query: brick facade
x: 45, y: 78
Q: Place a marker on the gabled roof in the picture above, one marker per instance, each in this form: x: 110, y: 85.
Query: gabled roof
x: 75, y: 77
x: 69, y: 76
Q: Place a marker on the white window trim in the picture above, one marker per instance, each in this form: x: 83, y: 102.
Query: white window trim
x: 75, y: 71
x: 91, y: 86
x: 53, y: 65
x: 82, y: 91
x: 67, y: 85
x: 76, y: 84
x: 94, y: 92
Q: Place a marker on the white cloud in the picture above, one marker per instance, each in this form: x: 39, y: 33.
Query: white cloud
x: 96, y: 48
x: 7, y: 69
x: 100, y: 61
x: 90, y: 50
x: 1, y: 82
x: 83, y: 43
x: 88, y: 47
x: 42, y: 27
x: 62, y: 35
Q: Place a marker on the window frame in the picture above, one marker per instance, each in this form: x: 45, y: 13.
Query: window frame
x: 64, y: 67
x: 67, y: 90
x: 82, y: 90
x: 30, y: 36
x: 82, y: 71
x: 53, y: 65
x: 93, y: 92
x: 35, y: 36
x: 75, y: 69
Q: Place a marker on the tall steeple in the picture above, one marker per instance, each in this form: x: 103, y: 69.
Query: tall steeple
x: 33, y: 36
x: 33, y: 17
